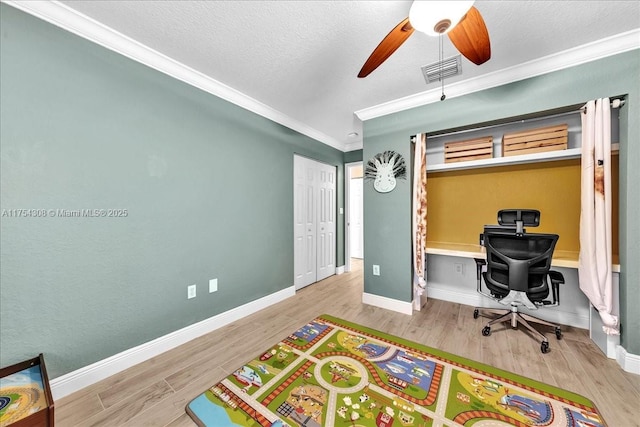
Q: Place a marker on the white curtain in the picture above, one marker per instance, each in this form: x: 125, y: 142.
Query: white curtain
x: 595, y: 260
x: 419, y: 221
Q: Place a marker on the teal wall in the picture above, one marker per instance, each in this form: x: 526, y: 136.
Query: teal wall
x: 387, y: 216
x: 208, y: 187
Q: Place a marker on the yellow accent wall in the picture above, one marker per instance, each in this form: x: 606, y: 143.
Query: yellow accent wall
x: 460, y: 203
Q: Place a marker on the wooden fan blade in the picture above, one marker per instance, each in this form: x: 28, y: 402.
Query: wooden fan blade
x: 387, y: 46
x: 471, y: 37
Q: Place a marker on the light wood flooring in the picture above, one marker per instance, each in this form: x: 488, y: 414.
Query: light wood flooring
x: 154, y: 393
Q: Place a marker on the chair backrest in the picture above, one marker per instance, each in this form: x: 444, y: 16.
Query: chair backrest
x: 519, y: 262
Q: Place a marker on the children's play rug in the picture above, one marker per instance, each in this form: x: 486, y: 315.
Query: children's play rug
x: 331, y: 372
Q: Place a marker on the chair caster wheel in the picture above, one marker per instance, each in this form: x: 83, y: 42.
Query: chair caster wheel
x: 475, y: 313
x: 544, y: 347
x: 486, y: 331
x: 558, y: 333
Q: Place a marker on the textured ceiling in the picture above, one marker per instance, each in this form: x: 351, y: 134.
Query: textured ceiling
x: 301, y: 58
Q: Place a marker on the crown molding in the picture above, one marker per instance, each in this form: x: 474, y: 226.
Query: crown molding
x: 609, y: 46
x: 352, y: 146
x: 70, y: 20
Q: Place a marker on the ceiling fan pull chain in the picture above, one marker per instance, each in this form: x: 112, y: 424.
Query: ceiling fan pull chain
x: 441, y: 55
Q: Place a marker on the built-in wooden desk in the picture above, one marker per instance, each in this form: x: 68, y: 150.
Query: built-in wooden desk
x: 567, y: 259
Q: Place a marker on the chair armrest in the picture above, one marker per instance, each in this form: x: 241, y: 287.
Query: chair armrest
x: 479, y: 264
x: 556, y: 276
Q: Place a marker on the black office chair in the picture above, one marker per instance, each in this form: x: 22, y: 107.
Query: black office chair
x: 518, y: 271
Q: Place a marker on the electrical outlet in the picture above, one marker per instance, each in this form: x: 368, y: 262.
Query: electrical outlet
x: 376, y: 270
x: 191, y: 291
x: 459, y: 268
x: 213, y: 285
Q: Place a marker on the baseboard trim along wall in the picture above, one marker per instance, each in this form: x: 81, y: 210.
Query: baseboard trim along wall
x: 388, y: 303
x: 73, y: 381
x: 91, y: 374
x: 340, y: 270
x: 627, y: 361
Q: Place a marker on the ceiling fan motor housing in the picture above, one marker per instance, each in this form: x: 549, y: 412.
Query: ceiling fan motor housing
x: 442, y: 26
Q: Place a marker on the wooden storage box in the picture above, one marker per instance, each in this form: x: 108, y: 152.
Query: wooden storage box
x: 471, y: 149
x: 25, y: 396
x: 539, y: 140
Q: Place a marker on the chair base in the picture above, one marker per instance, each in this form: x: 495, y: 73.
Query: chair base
x: 514, y: 318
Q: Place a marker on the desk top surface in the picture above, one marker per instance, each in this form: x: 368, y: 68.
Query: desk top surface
x: 568, y: 259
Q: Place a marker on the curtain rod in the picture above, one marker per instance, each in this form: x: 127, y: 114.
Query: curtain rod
x: 616, y: 102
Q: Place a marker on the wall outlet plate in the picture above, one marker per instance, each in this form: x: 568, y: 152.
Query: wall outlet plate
x: 213, y: 285
x: 191, y: 291
x: 376, y: 270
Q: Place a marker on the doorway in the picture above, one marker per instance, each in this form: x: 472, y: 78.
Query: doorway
x: 354, y: 233
x: 314, y: 217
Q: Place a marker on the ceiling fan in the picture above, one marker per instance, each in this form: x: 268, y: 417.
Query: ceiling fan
x: 460, y: 20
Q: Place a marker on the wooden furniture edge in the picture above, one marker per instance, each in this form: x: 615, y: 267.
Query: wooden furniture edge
x: 566, y: 259
x: 44, y: 416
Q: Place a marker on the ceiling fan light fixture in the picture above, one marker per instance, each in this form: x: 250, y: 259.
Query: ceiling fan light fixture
x: 437, y: 17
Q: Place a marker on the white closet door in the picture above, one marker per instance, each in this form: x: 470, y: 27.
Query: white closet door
x: 304, y: 199
x: 314, y: 204
x: 326, y: 261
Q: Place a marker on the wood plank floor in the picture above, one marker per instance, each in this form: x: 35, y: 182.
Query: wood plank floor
x: 154, y: 393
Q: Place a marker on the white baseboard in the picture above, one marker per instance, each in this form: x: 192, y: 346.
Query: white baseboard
x: 388, y: 303
x: 613, y: 342
x: 627, y: 361
x: 474, y: 299
x: 340, y: 270
x: 83, y: 377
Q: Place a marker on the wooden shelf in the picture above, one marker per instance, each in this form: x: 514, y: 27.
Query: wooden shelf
x: 571, y: 153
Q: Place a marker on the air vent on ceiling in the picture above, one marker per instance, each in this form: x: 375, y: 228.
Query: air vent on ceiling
x: 441, y: 70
